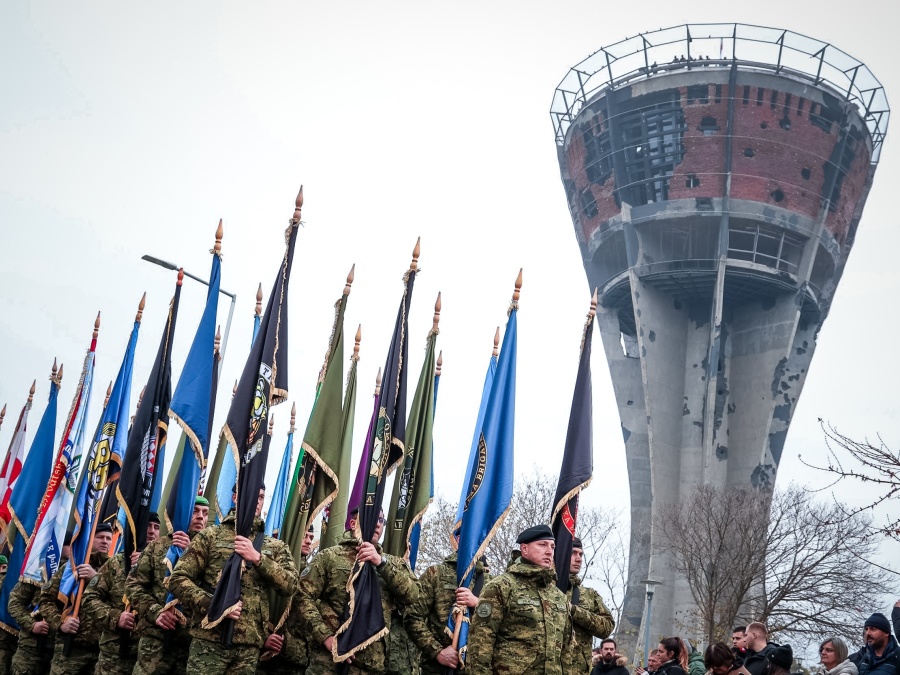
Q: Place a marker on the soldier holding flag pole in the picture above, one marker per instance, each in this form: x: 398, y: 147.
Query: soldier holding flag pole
x: 590, y: 617
x: 227, y: 570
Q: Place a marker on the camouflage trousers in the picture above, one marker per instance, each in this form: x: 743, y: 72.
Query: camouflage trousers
x: 29, y: 661
x: 155, y: 657
x: 321, y: 663
x: 211, y: 657
x: 8, y: 644
x: 110, y: 663
x: 80, y: 661
x: 279, y: 665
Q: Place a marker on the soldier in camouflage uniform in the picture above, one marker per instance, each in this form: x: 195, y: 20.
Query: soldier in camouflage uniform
x: 324, y: 595
x: 164, y: 638
x: 198, y: 571
x: 290, y: 650
x: 590, y: 617
x: 521, y: 625
x: 36, y: 639
x: 103, y: 603
x: 426, y: 622
x: 8, y: 640
x: 82, y: 657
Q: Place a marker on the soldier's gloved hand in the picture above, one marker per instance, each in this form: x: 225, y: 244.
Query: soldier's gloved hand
x: 448, y: 657
x: 244, y: 548
x: 181, y: 540
x: 274, y: 643
x: 134, y: 558
x: 368, y: 553
x: 70, y: 625
x: 86, y: 572
x: 166, y: 620
x: 40, y: 628
x: 236, y: 612
x: 126, y: 621
x: 466, y: 597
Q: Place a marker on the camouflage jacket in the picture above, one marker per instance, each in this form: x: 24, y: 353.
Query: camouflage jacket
x: 22, y: 606
x: 590, y: 619
x: 88, y: 634
x: 199, y: 569
x: 521, y: 625
x: 426, y: 622
x: 104, y: 603
x: 146, y: 589
x: 295, y: 649
x: 324, y: 595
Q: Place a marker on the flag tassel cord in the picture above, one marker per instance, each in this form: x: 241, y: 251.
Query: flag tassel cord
x: 195, y: 442
x: 565, y: 498
x: 343, y: 627
x: 487, y: 540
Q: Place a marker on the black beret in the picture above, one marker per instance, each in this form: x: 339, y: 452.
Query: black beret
x: 103, y: 527
x: 577, y: 543
x: 154, y: 518
x: 536, y: 533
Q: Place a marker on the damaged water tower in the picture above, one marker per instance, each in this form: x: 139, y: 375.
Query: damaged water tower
x: 716, y: 175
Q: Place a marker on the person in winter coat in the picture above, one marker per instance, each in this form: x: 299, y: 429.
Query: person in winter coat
x: 758, y: 649
x: 672, y: 653
x: 881, y: 655
x: 610, y: 661
x: 833, y: 654
x: 719, y: 659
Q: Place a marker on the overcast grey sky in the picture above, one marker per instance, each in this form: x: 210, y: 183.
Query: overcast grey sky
x: 126, y: 131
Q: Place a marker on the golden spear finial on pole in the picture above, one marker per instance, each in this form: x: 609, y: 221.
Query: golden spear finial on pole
x: 96, y: 326
x: 108, y: 394
x: 31, y: 391
x: 234, y: 389
x: 378, y: 383
x: 140, y: 312
x: 496, y: 351
x: 140, y: 398
x: 218, y: 341
x: 2, y: 414
x: 414, y: 265
x: 217, y: 247
x: 271, y: 423
x: 259, y: 300
x: 298, y: 206
x: 515, y: 297
x: 437, y: 315
x: 293, y: 417
x: 350, y: 279
x: 590, y: 319
x: 440, y: 364
x: 358, y: 339
x: 593, y: 311
x: 56, y: 374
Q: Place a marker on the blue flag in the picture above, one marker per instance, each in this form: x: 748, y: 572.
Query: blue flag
x: 489, y: 490
x: 26, y: 498
x: 275, y: 516
x: 473, y: 453
x: 109, y: 438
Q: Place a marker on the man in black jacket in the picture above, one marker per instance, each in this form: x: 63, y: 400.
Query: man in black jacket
x: 610, y: 662
x: 758, y: 649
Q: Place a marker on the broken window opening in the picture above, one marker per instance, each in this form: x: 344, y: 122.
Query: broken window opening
x: 746, y: 94
x: 691, y: 181
x: 718, y: 93
x: 760, y: 94
x: 588, y: 204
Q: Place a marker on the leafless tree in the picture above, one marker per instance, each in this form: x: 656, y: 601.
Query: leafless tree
x: 600, y: 529
x: 713, y: 544
x: 799, y: 564
x: 875, y: 466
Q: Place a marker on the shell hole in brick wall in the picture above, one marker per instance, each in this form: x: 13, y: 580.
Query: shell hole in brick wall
x: 785, y: 122
x: 763, y: 125
x: 777, y: 195
x: 805, y: 172
x: 749, y: 152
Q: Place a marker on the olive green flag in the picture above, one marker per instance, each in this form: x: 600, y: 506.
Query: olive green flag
x: 412, y: 484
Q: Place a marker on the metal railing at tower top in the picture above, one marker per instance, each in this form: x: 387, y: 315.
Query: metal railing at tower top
x: 711, y: 45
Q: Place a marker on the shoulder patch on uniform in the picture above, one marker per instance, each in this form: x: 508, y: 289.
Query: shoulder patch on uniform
x: 484, y: 609
x: 94, y: 580
x: 305, y: 571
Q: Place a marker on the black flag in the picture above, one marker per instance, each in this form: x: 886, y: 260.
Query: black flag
x: 263, y: 384
x: 578, y: 459
x: 145, y: 451
x: 363, y: 622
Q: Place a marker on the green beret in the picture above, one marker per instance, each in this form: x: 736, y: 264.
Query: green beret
x: 201, y: 501
x: 3, y: 560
